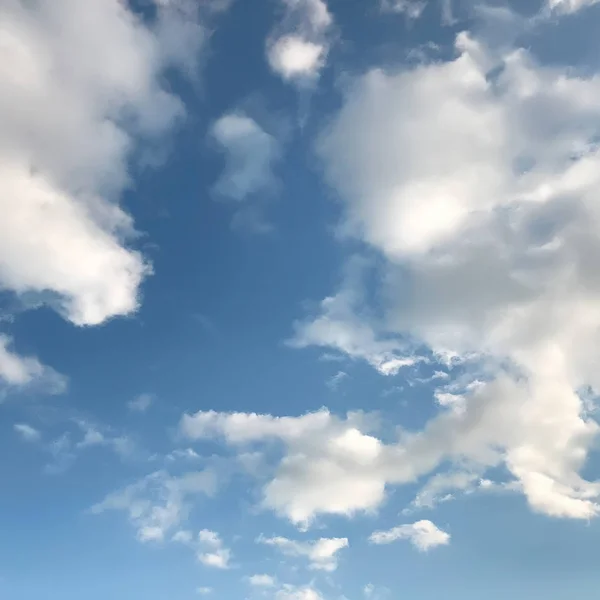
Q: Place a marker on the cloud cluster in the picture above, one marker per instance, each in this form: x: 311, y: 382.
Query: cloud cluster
x: 476, y: 179
x: 207, y: 545
x: 297, y: 49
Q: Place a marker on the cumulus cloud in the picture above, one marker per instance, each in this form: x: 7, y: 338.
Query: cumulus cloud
x: 159, y: 502
x: 424, y: 535
x: 27, y: 432
x: 261, y: 580
x: 26, y: 372
x: 80, y: 84
x: 250, y: 153
x: 330, y: 465
x: 487, y: 227
x: 321, y: 553
x: 297, y: 49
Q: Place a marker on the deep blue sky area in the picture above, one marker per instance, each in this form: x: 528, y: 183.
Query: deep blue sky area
x: 275, y: 323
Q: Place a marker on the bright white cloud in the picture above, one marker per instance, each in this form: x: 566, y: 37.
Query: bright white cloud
x: 158, y: 503
x: 27, y: 432
x: 424, y: 535
x: 294, y: 57
x: 70, y: 72
x: 297, y: 49
x: 488, y: 225
x: 261, y: 580
x: 321, y: 553
x: 250, y: 153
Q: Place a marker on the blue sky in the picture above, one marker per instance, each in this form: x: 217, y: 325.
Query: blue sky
x: 299, y: 299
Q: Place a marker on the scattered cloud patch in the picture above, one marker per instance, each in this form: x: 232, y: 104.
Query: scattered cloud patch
x: 27, y: 432
x: 570, y: 6
x: 321, y: 553
x: 335, y: 381
x: 159, y: 502
x: 141, y: 403
x: 293, y: 592
x: 250, y: 153
x: 212, y: 552
x: 26, y: 372
x: 412, y: 9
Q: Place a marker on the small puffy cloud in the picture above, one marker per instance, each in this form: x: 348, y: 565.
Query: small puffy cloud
x: 211, y: 551
x: 26, y: 372
x: 250, y: 153
x: 321, y: 553
x: 159, y: 502
x: 262, y: 580
x: 298, y: 47
x: 294, y: 57
x: 141, y: 403
x: 27, y: 432
x: 424, y: 535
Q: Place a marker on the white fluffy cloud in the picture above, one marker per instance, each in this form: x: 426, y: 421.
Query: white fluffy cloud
x: 298, y: 48
x: 424, y: 535
x: 26, y: 371
x: 159, y: 502
x: 261, y: 580
x: 477, y: 180
x: 80, y: 83
x: 250, y: 153
x: 321, y: 553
